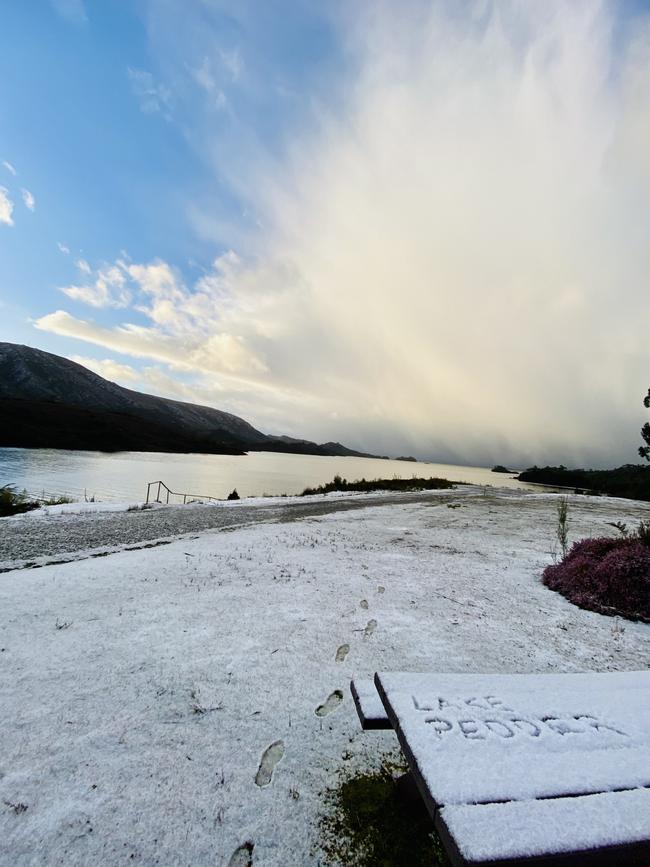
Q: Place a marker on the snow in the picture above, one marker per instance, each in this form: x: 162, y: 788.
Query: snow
x: 86, y: 507
x: 83, y: 508
x: 514, y: 737
x: 370, y: 708
x: 487, y: 832
x: 142, y: 694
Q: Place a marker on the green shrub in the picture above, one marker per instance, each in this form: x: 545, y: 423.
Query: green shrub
x: 394, y: 484
x: 12, y: 503
x: 563, y: 524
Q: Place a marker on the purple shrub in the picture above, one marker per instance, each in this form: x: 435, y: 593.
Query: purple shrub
x: 611, y: 576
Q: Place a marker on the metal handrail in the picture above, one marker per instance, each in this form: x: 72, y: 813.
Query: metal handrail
x: 169, y: 493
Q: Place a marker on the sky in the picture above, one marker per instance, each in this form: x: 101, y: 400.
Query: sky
x: 415, y: 228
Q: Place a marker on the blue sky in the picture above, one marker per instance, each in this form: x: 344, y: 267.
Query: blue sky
x: 410, y: 227
x: 102, y: 115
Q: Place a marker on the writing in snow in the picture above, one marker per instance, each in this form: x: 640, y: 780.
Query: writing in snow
x: 467, y: 717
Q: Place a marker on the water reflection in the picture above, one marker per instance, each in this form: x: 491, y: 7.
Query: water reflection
x: 124, y: 475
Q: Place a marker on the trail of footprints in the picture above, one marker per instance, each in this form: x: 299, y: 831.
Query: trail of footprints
x: 334, y: 699
x: 243, y: 855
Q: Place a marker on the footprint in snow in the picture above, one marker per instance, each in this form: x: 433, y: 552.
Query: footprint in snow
x: 380, y: 589
x: 364, y: 604
x: 371, y: 625
x: 242, y: 856
x: 330, y: 704
x: 270, y: 758
x: 342, y: 652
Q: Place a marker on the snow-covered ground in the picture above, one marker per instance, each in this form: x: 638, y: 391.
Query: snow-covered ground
x: 77, y: 508
x: 168, y: 705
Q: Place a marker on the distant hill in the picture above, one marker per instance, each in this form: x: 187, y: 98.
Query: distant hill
x: 630, y: 480
x: 50, y: 402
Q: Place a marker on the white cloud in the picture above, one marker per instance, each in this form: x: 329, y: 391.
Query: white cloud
x: 63, y: 248
x: 207, y: 80
x: 9, y: 167
x: 109, y: 288
x: 181, y: 336
x: 153, y: 97
x: 185, y: 332
x: 455, y: 263
x: 73, y: 11
x: 109, y: 369
x: 6, y: 207
x: 233, y: 63
x: 28, y: 199
x: 281, y: 414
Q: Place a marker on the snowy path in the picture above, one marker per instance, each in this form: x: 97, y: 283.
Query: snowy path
x: 33, y: 539
x: 178, y: 704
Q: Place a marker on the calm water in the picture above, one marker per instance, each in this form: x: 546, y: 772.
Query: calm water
x: 124, y: 475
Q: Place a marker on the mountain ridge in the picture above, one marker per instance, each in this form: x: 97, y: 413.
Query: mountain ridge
x: 47, y: 401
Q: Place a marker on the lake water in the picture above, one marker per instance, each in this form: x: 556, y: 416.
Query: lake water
x: 123, y: 476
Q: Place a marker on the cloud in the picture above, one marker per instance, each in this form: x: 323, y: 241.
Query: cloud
x: 206, y: 79
x: 9, y: 167
x: 28, y: 199
x: 72, y: 10
x: 63, y: 248
x: 108, y: 289
x: 184, y: 333
x: 153, y: 97
x: 232, y: 62
x: 454, y: 262
x: 281, y: 415
x: 6, y: 207
x: 108, y: 368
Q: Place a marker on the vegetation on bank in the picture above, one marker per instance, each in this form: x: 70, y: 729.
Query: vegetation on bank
x: 395, y: 484
x: 631, y: 480
x: 644, y: 450
x: 607, y: 575
x: 370, y: 822
x: 13, y: 502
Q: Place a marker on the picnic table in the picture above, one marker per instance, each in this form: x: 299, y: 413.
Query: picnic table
x: 525, y: 769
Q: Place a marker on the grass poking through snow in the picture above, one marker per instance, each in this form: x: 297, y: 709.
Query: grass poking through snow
x: 371, y: 824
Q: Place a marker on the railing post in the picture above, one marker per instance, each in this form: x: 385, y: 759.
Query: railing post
x: 169, y: 493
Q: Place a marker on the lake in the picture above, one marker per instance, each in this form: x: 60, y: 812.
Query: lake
x: 123, y: 476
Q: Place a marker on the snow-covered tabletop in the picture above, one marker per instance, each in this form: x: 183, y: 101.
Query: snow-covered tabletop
x: 485, y: 738
x: 610, y: 829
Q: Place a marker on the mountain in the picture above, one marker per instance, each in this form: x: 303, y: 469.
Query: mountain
x: 50, y: 402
